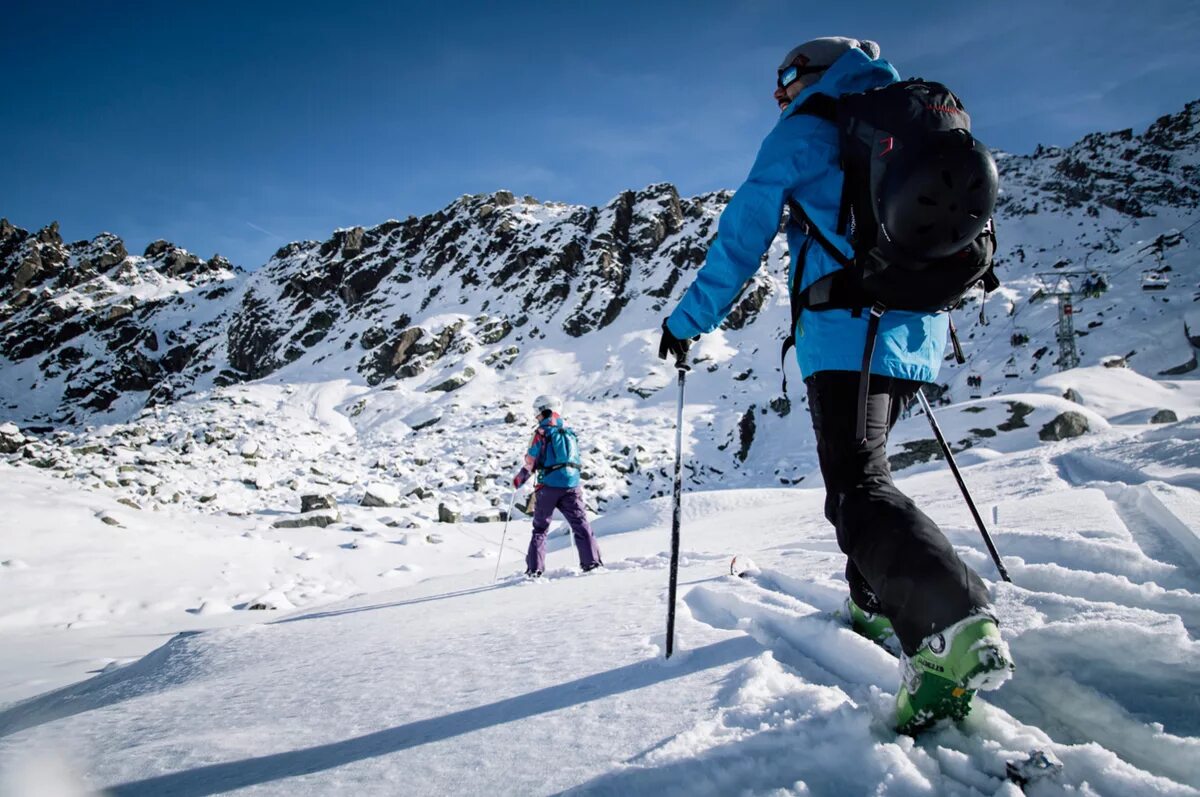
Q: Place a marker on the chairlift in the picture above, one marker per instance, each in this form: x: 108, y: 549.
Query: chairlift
x: 1094, y: 285
x: 1011, y: 371
x: 975, y: 383
x: 1153, y: 280
x: 1020, y: 336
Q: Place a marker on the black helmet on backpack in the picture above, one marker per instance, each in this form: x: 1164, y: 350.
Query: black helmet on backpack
x: 933, y: 204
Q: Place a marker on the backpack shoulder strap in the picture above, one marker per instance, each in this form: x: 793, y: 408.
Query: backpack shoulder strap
x: 819, y: 105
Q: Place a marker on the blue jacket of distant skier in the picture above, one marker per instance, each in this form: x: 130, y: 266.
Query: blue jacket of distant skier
x: 554, y: 444
x: 799, y: 160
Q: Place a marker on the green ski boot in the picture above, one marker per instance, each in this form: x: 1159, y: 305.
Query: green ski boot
x: 874, y: 627
x: 951, y: 665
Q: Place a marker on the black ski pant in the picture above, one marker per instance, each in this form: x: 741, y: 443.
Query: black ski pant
x: 899, y: 563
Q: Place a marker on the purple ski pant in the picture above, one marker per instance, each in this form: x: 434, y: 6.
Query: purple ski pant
x: 569, y: 501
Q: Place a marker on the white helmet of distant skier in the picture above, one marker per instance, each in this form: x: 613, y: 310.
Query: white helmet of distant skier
x: 544, y: 402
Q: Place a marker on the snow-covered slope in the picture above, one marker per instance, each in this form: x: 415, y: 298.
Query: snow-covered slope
x: 457, y: 684
x: 188, y: 447
x: 434, y: 329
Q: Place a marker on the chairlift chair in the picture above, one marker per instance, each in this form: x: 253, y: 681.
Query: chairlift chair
x: 1099, y: 280
x: 1020, y: 336
x: 1154, y: 281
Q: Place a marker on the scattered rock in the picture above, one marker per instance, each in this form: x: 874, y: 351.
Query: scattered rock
x: 109, y: 520
x: 11, y: 439
x: 1164, y: 416
x: 1067, y: 425
x: 315, y: 501
x: 746, y: 429
x: 454, y: 382
x: 447, y: 515
x: 320, y: 518
x: 381, y: 494
x: 424, y: 418
x: 129, y: 502
x: 1071, y: 394
x: 916, y: 452
x: 1017, y: 412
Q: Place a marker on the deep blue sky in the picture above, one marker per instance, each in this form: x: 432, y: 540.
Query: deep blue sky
x: 238, y: 126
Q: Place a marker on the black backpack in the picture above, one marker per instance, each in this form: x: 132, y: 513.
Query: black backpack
x: 917, y: 203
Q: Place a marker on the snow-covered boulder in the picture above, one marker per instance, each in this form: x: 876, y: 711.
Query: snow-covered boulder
x: 11, y: 439
x: 1065, y: 426
x: 320, y: 518
x: 313, y: 502
x: 381, y: 494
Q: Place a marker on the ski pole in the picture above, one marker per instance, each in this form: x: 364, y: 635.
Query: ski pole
x: 987, y: 538
x: 511, y: 502
x: 676, y: 497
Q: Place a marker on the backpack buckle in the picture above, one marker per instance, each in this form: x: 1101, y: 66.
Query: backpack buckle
x: 878, y: 309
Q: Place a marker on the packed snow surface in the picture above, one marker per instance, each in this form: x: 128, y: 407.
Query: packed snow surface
x: 386, y: 660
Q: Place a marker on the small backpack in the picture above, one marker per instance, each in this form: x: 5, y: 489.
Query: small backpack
x: 917, y: 202
x: 562, y: 450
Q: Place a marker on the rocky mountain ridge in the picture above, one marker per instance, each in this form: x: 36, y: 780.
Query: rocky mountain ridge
x: 438, y: 326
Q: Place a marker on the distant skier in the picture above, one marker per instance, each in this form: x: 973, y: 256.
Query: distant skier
x: 554, y: 456
x: 904, y: 576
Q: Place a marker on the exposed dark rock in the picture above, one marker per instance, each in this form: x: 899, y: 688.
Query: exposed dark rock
x: 158, y: 247
x: 314, y: 501
x: 454, y: 382
x: 373, y: 336
x: 1067, y: 425
x: 746, y: 430
x: 493, y: 330
x: 352, y: 242
x: 1164, y: 416
x: 747, y: 306
x: 916, y: 452
x: 11, y: 439
x: 1017, y: 412
x: 1179, y: 370
x: 319, y: 518
x: 503, y: 358
x: 253, y: 336
x: 448, y: 515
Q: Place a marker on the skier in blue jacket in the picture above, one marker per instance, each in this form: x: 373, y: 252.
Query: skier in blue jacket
x: 554, y: 455
x: 905, y: 578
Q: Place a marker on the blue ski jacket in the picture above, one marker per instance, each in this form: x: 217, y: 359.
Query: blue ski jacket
x: 799, y: 160
x: 542, y: 453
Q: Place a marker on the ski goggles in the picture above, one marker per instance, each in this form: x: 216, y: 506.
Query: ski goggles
x: 793, y: 73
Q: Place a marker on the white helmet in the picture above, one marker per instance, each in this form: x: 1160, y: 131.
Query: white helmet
x: 552, y: 403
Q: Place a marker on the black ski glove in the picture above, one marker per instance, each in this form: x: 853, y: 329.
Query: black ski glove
x: 673, y: 346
